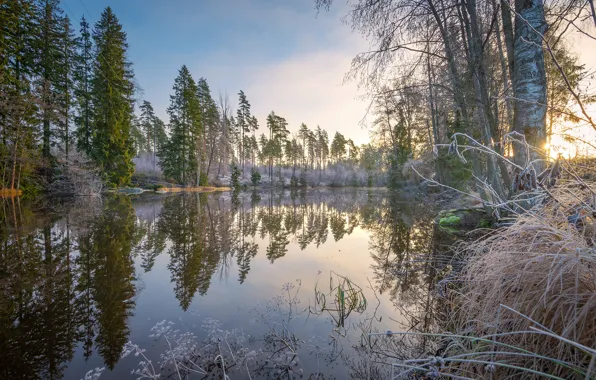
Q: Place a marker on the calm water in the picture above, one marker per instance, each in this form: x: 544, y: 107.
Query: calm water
x: 260, y: 275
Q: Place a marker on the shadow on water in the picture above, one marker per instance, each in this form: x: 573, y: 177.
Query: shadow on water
x: 71, y: 274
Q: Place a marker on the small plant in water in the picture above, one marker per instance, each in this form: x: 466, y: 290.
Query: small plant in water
x: 343, y: 298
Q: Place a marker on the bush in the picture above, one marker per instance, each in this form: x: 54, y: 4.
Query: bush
x: 235, y: 177
x: 203, y: 180
x: 79, y: 176
x: 255, y: 177
x: 453, y: 172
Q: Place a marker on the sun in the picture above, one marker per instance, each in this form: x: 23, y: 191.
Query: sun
x: 571, y: 142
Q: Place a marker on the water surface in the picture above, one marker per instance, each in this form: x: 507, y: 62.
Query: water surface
x: 80, y: 278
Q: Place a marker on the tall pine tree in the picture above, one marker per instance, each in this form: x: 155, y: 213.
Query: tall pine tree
x: 245, y: 125
x: 49, y: 16
x: 147, y: 124
x: 179, y: 158
x: 112, y: 97
x: 18, y: 103
x: 210, y: 127
x: 83, y: 76
x: 65, y: 86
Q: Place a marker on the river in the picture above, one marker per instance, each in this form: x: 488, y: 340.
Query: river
x: 263, y: 285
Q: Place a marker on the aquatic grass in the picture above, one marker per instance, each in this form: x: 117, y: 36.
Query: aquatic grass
x: 343, y: 298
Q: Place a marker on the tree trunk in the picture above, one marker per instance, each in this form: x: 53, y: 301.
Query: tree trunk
x: 431, y: 106
x: 508, y: 32
x: 488, y: 119
x: 529, y: 80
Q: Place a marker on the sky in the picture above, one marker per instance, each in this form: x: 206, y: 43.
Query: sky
x: 283, y: 54
x: 583, y: 47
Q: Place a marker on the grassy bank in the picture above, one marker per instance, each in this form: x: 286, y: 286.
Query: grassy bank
x: 200, y: 189
x: 9, y: 193
x: 524, y: 304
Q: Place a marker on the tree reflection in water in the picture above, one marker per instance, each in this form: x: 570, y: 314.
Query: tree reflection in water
x: 63, y: 285
x: 409, y: 261
x: 68, y: 280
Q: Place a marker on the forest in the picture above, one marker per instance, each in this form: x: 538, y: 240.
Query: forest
x: 471, y: 211
x: 486, y: 93
x: 72, y: 119
x: 469, y: 100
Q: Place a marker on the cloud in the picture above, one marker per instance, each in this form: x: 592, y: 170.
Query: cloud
x: 309, y: 88
x: 283, y: 55
x: 305, y: 86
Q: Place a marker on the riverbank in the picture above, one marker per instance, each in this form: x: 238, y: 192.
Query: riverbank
x: 10, y: 193
x: 519, y: 301
x: 163, y: 190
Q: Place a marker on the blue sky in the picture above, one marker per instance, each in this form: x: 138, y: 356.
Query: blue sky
x: 284, y: 55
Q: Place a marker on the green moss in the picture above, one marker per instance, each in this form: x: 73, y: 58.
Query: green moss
x: 449, y: 220
x: 485, y: 223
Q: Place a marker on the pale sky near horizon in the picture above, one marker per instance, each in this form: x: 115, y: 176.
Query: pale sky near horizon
x: 284, y: 55
x: 585, y: 49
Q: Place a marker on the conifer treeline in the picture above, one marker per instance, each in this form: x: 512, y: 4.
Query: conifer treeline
x: 65, y: 94
x: 205, y: 138
x: 53, y: 82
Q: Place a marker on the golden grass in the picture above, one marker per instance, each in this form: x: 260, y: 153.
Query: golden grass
x: 9, y: 193
x: 201, y: 189
x: 539, y: 274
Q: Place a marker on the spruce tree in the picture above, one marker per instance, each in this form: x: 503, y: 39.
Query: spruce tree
x: 139, y: 140
x: 179, y: 158
x: 49, y: 43
x: 280, y: 134
x: 147, y: 125
x: 112, y: 98
x: 160, y: 135
x: 18, y: 103
x: 66, y: 65
x: 210, y: 129
x: 338, y: 147
x: 154, y: 131
x: 83, y: 77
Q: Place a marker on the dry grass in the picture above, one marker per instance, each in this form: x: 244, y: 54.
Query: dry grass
x: 201, y: 189
x: 529, y: 291
x: 9, y: 193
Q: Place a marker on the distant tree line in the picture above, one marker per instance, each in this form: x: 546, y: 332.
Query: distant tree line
x: 205, y: 138
x: 64, y: 94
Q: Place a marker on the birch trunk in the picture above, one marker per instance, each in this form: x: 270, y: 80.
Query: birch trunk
x: 529, y: 79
